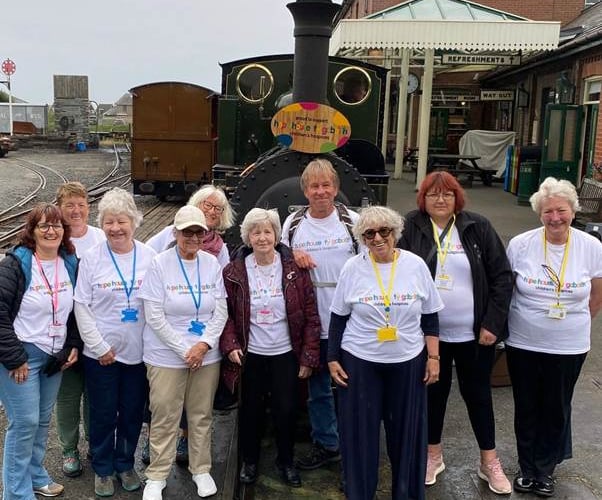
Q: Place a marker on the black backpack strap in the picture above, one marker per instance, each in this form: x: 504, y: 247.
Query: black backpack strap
x: 345, y: 218
x: 297, y: 218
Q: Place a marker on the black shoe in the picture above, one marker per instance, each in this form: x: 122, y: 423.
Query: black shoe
x: 317, y: 457
x: 544, y: 488
x: 248, y: 473
x: 290, y: 475
x: 524, y: 484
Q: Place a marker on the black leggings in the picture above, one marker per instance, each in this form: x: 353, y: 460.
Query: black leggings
x: 474, y: 363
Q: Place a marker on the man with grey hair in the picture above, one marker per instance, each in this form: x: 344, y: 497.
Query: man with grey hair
x: 321, y: 239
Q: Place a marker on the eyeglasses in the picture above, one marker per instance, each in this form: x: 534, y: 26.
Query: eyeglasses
x: 44, y: 227
x: 188, y: 233
x: 210, y: 206
x: 446, y: 196
x: 370, y: 234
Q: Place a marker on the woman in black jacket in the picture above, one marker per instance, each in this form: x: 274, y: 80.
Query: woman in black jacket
x: 38, y: 338
x: 468, y: 263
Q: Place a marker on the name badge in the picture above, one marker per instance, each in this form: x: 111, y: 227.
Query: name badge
x: 557, y: 311
x: 57, y: 330
x: 444, y: 282
x: 386, y: 334
x: 196, y: 328
x: 129, y: 315
x: 265, y: 317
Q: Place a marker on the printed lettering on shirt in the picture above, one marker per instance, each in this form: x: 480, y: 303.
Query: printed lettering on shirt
x: 116, y: 285
x: 397, y: 299
x: 44, y: 289
x: 181, y: 289
x: 322, y: 244
x: 549, y: 286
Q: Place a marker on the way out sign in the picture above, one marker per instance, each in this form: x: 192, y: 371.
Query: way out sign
x: 310, y: 127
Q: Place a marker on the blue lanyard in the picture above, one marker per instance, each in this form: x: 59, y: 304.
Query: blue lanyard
x: 195, y: 298
x: 128, y: 292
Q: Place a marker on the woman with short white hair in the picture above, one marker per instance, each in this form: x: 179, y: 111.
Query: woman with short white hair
x: 273, y: 324
x: 557, y: 293
x: 383, y: 350
x: 185, y: 307
x: 111, y: 320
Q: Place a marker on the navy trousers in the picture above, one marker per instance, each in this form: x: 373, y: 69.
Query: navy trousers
x: 392, y: 393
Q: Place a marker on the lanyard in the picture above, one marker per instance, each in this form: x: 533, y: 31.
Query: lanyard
x: 54, y: 292
x: 265, y: 291
x: 387, y: 294
x: 128, y: 291
x: 442, y: 253
x: 196, y: 298
x: 553, y: 275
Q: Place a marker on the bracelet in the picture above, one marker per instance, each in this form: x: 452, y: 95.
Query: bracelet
x: 436, y: 357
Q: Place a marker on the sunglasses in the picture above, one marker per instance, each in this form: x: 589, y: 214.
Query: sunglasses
x: 188, y: 233
x: 370, y: 234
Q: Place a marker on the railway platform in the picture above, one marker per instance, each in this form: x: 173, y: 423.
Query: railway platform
x: 577, y: 479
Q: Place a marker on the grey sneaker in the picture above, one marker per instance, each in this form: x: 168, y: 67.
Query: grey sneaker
x: 129, y: 480
x: 103, y: 486
x: 50, y: 490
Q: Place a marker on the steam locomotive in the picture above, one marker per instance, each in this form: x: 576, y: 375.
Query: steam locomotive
x: 185, y: 135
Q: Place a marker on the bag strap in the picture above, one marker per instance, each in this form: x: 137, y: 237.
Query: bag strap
x: 441, y: 237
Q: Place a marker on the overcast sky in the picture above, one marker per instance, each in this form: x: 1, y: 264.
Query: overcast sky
x: 120, y: 44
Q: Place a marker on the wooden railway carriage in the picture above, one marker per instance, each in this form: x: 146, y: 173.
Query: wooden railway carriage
x: 174, y: 138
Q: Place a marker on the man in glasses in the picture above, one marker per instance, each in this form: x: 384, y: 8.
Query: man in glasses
x: 72, y: 199
x: 321, y: 239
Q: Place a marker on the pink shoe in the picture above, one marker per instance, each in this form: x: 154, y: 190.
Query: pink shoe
x: 493, y: 473
x: 434, y: 467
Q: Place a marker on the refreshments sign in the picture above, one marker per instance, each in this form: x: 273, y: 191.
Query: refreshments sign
x: 310, y: 127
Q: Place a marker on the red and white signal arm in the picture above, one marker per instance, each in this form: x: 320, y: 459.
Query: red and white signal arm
x: 8, y: 67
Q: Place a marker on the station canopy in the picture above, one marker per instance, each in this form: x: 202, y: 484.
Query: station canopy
x: 443, y: 25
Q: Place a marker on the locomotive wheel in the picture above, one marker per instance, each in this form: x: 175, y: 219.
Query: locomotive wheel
x: 274, y: 182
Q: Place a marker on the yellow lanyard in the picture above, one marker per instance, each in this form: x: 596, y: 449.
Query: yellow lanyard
x: 442, y: 252
x: 557, y: 279
x: 387, y: 294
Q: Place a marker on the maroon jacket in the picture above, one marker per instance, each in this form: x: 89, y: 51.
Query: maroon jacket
x: 301, y: 311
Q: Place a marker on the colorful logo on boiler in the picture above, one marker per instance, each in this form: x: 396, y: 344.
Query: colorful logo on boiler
x: 310, y: 127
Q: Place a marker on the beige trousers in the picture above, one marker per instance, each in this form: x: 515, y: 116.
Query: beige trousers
x: 172, y: 389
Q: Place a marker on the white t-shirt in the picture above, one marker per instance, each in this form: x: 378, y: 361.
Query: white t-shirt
x: 269, y: 333
x: 165, y: 284
x: 161, y: 241
x: 92, y: 237
x: 102, y: 289
x: 330, y: 246
x: 456, y: 320
x: 358, y: 293
x: 534, y: 293
x: 35, y: 314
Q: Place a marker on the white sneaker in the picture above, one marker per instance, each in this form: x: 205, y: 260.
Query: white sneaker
x: 205, y: 484
x: 153, y: 490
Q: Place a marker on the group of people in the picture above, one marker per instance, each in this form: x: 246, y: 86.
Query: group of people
x: 379, y: 305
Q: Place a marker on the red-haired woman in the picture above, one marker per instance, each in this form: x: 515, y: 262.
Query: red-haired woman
x: 37, y: 279
x: 468, y: 263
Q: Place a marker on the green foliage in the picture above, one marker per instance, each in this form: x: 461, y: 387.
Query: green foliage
x: 3, y: 96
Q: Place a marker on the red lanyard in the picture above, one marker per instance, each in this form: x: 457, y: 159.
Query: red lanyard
x: 54, y: 292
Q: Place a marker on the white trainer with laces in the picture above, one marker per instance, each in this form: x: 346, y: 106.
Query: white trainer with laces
x: 153, y: 490
x: 205, y: 484
x: 493, y: 473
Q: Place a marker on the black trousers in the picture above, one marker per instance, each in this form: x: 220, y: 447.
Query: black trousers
x: 273, y: 381
x: 395, y: 394
x: 474, y: 363
x: 543, y: 386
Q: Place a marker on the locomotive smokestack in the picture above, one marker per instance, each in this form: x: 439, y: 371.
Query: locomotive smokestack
x: 313, y: 29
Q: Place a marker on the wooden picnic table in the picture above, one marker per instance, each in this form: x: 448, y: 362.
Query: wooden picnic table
x: 456, y: 164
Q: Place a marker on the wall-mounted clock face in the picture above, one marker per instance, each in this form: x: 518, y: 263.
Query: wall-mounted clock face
x: 413, y: 83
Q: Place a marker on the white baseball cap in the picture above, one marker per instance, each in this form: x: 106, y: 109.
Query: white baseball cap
x: 189, y: 216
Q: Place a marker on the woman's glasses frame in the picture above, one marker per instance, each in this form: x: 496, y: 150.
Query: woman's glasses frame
x: 45, y: 227
x: 210, y: 206
x: 447, y: 196
x: 370, y: 234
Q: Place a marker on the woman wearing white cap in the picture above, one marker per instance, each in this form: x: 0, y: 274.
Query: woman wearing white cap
x: 185, y: 307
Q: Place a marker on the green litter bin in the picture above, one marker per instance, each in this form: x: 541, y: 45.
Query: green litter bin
x: 528, y: 180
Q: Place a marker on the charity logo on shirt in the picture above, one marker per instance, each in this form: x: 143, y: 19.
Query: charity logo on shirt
x: 259, y: 293
x: 183, y: 288
x: 44, y: 289
x: 548, y: 285
x: 317, y: 245
x: 397, y: 299
x: 116, y: 285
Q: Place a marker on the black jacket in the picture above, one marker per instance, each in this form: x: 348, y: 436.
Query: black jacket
x: 491, y: 274
x: 12, y: 288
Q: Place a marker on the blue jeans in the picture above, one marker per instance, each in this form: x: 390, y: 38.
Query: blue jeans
x: 117, y: 393
x: 320, y: 405
x: 29, y: 409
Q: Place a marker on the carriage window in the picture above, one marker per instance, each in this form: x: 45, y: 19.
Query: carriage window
x: 352, y: 85
x: 254, y: 83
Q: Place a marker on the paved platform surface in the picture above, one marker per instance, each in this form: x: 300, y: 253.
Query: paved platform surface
x: 578, y: 479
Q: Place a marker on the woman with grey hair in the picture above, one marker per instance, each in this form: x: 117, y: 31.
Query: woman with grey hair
x: 557, y: 293
x: 185, y: 308
x: 271, y: 338
x: 111, y: 319
x: 383, y: 351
